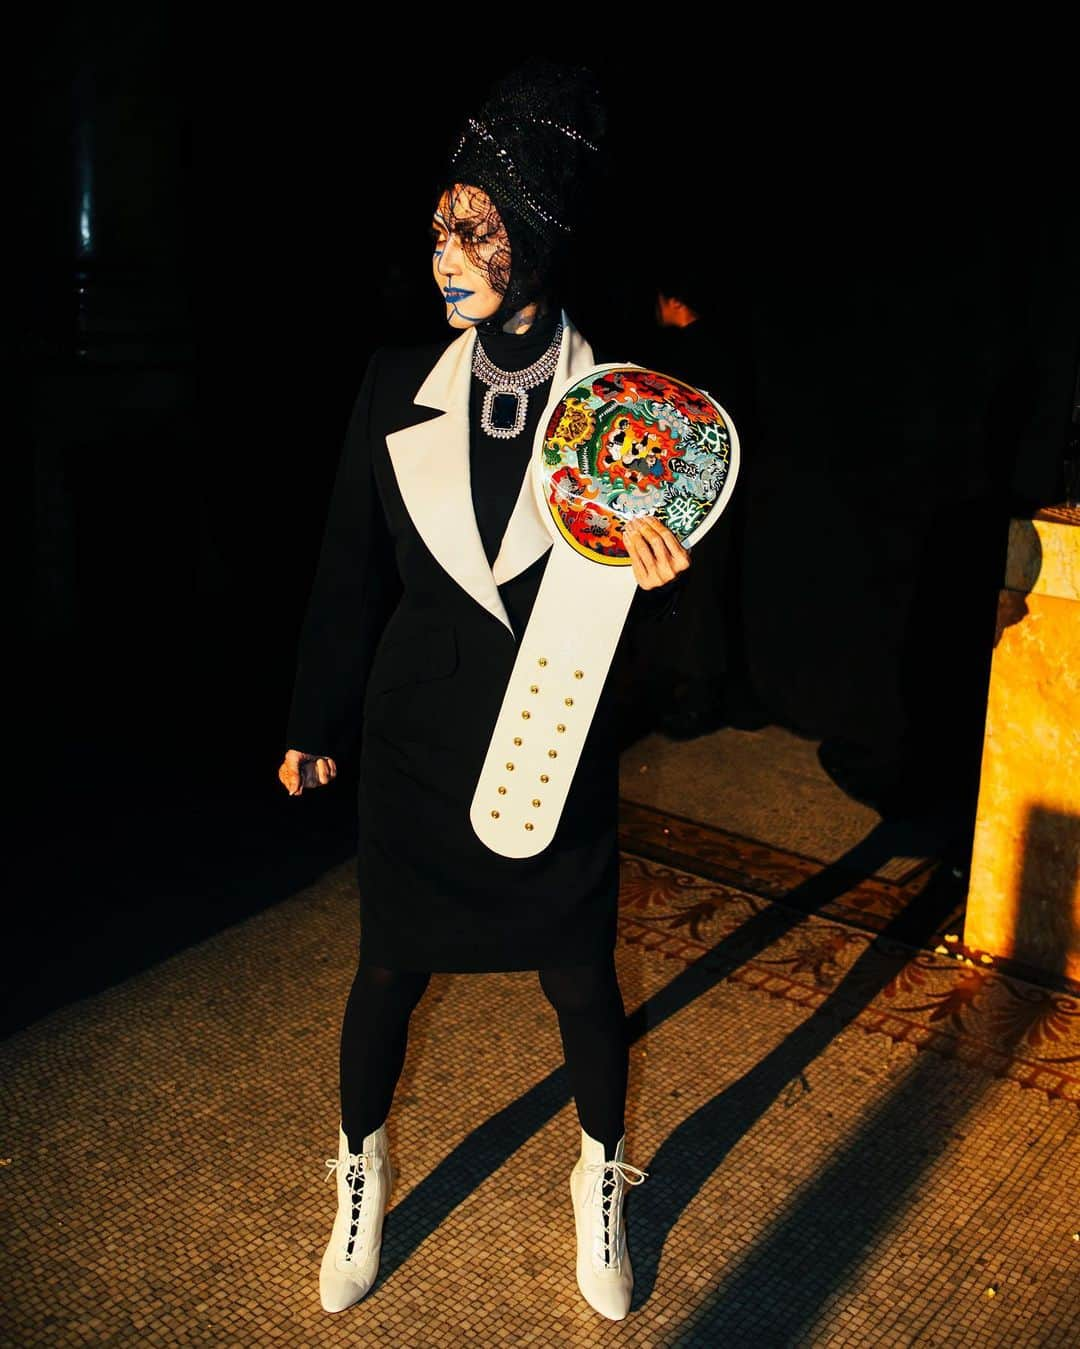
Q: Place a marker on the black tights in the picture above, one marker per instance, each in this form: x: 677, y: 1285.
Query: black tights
x: 592, y: 1024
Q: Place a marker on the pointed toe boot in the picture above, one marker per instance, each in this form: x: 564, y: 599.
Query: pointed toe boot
x: 597, y: 1189
x: 351, y: 1259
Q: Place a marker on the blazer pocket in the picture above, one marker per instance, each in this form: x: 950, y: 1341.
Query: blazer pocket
x: 412, y: 658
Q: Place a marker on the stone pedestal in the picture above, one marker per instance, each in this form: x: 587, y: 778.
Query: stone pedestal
x: 1023, y: 904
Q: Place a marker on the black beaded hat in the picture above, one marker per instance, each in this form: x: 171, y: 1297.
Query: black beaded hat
x: 534, y: 147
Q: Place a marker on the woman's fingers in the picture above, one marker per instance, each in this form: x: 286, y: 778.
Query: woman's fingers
x: 300, y: 770
x: 641, y: 557
x: 650, y: 533
x: 668, y: 548
x: 655, y: 552
x: 319, y: 771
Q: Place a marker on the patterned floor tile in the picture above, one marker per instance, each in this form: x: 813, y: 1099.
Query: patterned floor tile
x: 814, y: 1178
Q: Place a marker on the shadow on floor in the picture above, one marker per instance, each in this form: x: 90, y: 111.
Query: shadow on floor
x: 688, y: 1159
x: 786, y: 1288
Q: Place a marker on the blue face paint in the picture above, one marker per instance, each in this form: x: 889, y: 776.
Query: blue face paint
x: 452, y: 295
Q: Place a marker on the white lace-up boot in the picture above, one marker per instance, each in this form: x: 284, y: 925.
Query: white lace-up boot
x: 351, y: 1260
x: 597, y: 1188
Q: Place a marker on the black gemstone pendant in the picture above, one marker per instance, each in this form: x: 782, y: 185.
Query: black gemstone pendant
x: 504, y: 411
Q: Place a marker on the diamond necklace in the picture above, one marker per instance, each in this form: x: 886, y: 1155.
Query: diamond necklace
x: 506, y: 398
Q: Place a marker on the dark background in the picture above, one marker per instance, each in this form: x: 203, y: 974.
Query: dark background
x: 889, y: 249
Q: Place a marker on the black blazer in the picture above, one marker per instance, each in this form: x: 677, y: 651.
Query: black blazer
x: 408, y: 647
x: 403, y: 594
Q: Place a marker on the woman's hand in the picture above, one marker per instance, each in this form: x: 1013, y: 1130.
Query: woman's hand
x: 656, y: 554
x: 298, y: 771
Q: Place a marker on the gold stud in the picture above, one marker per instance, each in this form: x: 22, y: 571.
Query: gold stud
x: 517, y: 739
x: 534, y: 688
x: 502, y: 791
x: 542, y: 660
x: 569, y: 702
x: 526, y: 715
x: 510, y: 767
x: 528, y: 825
x: 560, y: 727
x: 553, y: 753
x: 536, y: 800
x: 494, y: 814
x: 579, y: 674
x: 544, y: 777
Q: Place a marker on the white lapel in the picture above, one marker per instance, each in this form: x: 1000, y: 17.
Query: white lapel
x: 431, y: 464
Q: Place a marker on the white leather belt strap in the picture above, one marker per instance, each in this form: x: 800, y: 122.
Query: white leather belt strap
x: 550, y: 700
x: 584, y: 596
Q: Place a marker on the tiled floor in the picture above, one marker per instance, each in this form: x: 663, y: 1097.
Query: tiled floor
x: 763, y: 784
x: 849, y: 1142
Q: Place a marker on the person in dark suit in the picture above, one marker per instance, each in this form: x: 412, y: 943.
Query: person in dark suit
x: 432, y: 557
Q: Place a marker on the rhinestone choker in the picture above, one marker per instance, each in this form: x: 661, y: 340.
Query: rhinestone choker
x: 506, y: 398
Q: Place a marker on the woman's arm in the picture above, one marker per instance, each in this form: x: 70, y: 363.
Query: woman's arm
x: 355, y: 588
x: 652, y: 606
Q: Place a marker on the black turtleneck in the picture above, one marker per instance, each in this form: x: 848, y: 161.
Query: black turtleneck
x: 497, y: 465
x: 514, y: 351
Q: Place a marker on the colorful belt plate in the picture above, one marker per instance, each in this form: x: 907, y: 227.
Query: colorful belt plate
x: 620, y: 441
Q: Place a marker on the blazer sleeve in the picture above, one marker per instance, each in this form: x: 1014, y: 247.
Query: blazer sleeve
x: 660, y: 603
x: 354, y: 591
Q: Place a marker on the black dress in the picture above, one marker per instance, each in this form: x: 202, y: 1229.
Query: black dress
x: 422, y: 668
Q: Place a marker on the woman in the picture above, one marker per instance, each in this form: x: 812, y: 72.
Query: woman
x: 432, y: 557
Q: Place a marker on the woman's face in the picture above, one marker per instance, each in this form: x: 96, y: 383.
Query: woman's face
x: 471, y: 261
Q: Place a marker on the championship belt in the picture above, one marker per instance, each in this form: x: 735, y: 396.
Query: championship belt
x: 619, y: 441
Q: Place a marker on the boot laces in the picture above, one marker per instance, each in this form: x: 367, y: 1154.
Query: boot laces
x: 607, y: 1236
x: 356, y: 1164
